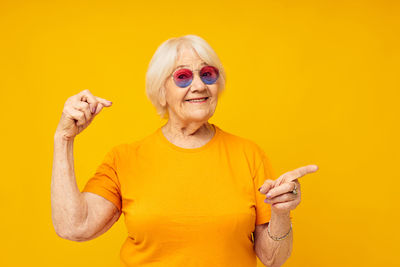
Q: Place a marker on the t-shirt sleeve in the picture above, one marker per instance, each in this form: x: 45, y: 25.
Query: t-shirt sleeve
x: 263, y: 172
x: 105, y: 180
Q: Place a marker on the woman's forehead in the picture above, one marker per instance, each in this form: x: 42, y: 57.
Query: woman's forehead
x: 188, y: 56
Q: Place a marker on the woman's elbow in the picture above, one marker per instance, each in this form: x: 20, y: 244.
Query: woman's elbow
x: 70, y: 234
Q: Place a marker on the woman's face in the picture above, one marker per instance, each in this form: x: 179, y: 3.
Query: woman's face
x: 176, y: 97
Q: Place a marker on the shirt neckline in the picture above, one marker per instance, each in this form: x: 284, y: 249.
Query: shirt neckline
x: 165, y: 141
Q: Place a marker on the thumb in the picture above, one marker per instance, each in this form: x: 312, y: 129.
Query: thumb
x: 98, y: 108
x: 102, y: 103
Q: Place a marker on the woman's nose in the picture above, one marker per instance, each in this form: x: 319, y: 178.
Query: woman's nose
x: 198, y: 84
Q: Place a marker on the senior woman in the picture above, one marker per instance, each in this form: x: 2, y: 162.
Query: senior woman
x: 191, y: 193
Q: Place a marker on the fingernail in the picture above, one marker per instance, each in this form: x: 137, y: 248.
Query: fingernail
x: 266, y: 200
x: 93, y: 109
x: 268, y: 195
x: 259, y: 189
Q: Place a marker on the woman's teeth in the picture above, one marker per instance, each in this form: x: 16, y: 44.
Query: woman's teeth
x: 197, y: 100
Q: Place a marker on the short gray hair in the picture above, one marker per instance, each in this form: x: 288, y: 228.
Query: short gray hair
x: 164, y: 60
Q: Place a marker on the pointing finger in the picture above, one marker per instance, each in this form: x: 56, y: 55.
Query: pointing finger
x: 300, y: 172
x: 297, y: 173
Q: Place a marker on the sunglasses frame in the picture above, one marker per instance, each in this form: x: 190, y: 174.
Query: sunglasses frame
x: 193, y: 72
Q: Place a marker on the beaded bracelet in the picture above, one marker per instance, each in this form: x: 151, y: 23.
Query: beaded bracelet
x: 279, y: 238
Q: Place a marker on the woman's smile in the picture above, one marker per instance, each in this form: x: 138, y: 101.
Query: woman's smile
x: 197, y: 100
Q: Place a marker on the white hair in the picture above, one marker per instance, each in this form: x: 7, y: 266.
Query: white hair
x: 164, y: 60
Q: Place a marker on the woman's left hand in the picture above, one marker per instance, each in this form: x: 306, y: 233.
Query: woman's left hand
x: 279, y: 192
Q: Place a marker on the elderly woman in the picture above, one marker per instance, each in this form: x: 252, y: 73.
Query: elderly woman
x: 192, y: 194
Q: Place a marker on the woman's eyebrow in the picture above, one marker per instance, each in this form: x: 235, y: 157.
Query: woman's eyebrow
x: 202, y: 64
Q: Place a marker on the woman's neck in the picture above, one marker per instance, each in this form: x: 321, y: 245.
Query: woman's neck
x: 188, y: 134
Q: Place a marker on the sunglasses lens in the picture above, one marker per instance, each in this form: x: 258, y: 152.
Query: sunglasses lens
x: 183, y: 77
x: 209, y: 74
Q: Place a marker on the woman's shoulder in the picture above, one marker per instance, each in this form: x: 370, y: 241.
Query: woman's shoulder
x: 244, y: 148
x: 238, y: 139
x: 241, y: 142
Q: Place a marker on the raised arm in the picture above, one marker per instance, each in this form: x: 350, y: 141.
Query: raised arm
x: 77, y: 216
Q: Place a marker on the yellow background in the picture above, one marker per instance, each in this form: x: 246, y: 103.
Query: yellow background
x: 312, y: 82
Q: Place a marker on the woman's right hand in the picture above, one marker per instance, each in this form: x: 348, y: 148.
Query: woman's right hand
x: 79, y: 111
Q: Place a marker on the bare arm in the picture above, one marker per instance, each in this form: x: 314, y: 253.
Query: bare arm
x: 270, y: 252
x: 284, y: 195
x: 76, y: 216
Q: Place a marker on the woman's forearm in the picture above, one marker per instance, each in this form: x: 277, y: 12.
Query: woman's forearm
x: 67, y: 204
x: 274, y: 253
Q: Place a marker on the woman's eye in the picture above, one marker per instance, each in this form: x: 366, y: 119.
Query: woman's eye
x: 206, y: 74
x: 182, y: 76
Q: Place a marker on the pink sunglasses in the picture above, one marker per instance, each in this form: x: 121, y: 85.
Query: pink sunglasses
x: 184, y: 77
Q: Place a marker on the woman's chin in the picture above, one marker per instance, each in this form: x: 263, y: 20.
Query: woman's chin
x: 200, y: 115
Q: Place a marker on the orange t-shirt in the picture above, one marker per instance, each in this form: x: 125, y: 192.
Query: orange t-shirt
x: 186, y: 207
